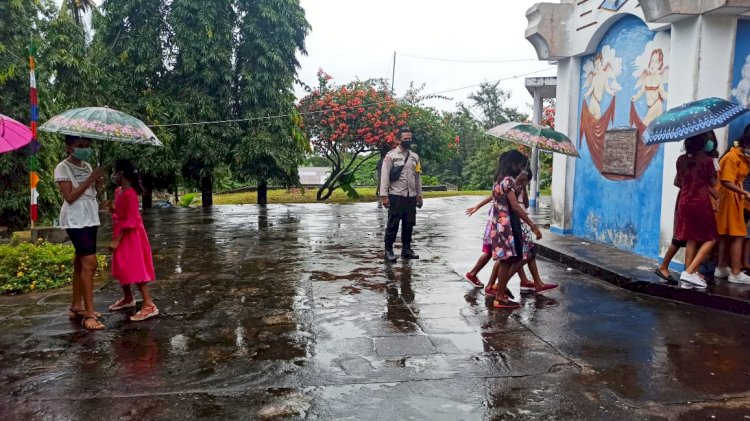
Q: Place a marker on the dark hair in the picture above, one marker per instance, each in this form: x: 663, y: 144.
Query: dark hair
x: 506, y: 162
x: 69, y: 139
x: 695, y: 144
x: 130, y: 173
x: 742, y: 141
x: 403, y: 130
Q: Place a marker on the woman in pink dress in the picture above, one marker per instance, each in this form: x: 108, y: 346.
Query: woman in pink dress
x: 131, y: 260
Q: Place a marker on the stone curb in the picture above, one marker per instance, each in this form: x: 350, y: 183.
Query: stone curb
x: 644, y: 286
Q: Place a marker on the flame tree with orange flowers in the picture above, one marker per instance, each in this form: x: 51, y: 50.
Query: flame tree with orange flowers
x: 344, y: 122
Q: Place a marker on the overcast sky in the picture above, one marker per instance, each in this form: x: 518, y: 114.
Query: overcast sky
x: 357, y: 38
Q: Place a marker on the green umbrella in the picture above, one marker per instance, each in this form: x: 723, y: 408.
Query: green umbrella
x: 101, y: 123
x: 534, y: 135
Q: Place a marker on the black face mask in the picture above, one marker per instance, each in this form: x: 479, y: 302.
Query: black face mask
x: 406, y: 144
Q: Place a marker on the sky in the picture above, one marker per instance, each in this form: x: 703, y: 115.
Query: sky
x: 356, y: 39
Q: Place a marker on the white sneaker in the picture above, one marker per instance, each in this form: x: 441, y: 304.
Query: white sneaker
x: 722, y: 272
x: 687, y: 285
x: 693, y: 278
x: 740, y: 278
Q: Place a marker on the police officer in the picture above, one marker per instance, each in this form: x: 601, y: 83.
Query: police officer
x: 401, y: 193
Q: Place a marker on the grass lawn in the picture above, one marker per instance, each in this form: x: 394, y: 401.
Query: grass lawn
x: 367, y: 194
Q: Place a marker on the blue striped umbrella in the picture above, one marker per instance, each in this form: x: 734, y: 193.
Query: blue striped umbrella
x: 691, y: 119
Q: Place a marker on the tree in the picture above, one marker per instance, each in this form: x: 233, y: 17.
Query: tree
x: 270, y: 34
x: 345, y: 121
x: 490, y: 100
x: 433, y: 136
x: 78, y: 7
x: 545, y: 159
x: 469, y: 139
x: 201, y: 85
x: 131, y: 45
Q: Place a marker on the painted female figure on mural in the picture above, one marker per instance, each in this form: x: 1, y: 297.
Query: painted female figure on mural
x: 651, y: 82
x: 742, y: 92
x: 598, y: 82
x: 651, y: 75
x: 601, y: 79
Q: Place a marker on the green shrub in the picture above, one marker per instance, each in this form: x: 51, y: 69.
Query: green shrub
x: 26, y: 267
x: 428, y: 180
x: 187, y: 199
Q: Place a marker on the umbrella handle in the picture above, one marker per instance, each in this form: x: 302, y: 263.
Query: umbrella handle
x: 101, y: 162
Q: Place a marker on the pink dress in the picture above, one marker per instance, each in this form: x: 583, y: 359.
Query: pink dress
x: 131, y: 262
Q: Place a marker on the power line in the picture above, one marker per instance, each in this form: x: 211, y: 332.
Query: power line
x: 467, y: 61
x: 371, y: 104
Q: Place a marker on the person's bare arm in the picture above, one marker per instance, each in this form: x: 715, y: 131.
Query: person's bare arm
x: 518, y: 210
x: 712, y: 190
x: 734, y: 188
x: 480, y: 205
x: 71, y: 194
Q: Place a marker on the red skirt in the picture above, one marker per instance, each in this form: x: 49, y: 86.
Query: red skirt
x: 696, y: 221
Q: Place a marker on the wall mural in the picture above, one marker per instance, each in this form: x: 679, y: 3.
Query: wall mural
x: 624, y: 84
x: 602, y: 72
x: 741, y: 81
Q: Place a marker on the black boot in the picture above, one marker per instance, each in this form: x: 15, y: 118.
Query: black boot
x: 409, y: 254
x: 389, y: 256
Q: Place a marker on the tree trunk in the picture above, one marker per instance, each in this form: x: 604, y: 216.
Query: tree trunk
x: 326, y: 190
x: 147, y: 198
x: 207, y: 190
x: 263, y: 192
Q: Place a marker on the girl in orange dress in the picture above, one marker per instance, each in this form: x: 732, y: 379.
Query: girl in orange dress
x: 730, y: 220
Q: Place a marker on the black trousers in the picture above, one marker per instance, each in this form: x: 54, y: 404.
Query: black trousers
x: 401, y: 210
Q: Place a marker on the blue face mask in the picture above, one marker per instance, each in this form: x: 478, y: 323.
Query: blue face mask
x: 709, y: 146
x: 82, y: 153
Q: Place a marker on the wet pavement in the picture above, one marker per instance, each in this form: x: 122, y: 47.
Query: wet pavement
x: 288, y: 312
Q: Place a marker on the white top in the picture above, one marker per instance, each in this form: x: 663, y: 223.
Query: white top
x: 84, y: 212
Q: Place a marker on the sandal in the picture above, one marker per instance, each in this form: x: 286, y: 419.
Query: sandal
x: 97, y: 326
x: 505, y: 304
x: 77, y: 314
x: 660, y: 274
x: 145, y: 313
x: 121, y: 304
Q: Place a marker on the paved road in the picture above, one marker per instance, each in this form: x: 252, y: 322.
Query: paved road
x: 289, y: 312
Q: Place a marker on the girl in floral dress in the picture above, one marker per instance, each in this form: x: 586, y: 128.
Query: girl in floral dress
x: 131, y: 259
x: 509, y: 254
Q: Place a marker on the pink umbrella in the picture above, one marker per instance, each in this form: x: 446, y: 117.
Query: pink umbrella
x: 13, y: 135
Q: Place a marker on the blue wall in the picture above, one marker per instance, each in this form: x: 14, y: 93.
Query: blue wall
x: 625, y: 214
x: 741, y: 94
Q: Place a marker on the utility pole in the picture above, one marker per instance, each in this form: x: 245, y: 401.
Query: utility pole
x: 393, y: 74
x: 536, y: 119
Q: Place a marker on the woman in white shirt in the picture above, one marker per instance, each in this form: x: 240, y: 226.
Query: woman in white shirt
x: 79, y: 216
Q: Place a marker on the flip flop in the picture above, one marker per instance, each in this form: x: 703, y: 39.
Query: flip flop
x: 669, y: 278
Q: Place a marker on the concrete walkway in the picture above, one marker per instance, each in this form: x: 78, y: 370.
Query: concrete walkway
x: 288, y: 312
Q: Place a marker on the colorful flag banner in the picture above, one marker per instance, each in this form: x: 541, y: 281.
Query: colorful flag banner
x: 33, y: 162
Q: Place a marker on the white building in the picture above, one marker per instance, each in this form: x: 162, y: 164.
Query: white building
x: 310, y: 176
x: 620, y: 64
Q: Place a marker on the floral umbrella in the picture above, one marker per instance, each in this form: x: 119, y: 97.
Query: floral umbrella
x: 101, y: 123
x: 13, y: 135
x: 691, y: 119
x: 534, y: 135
